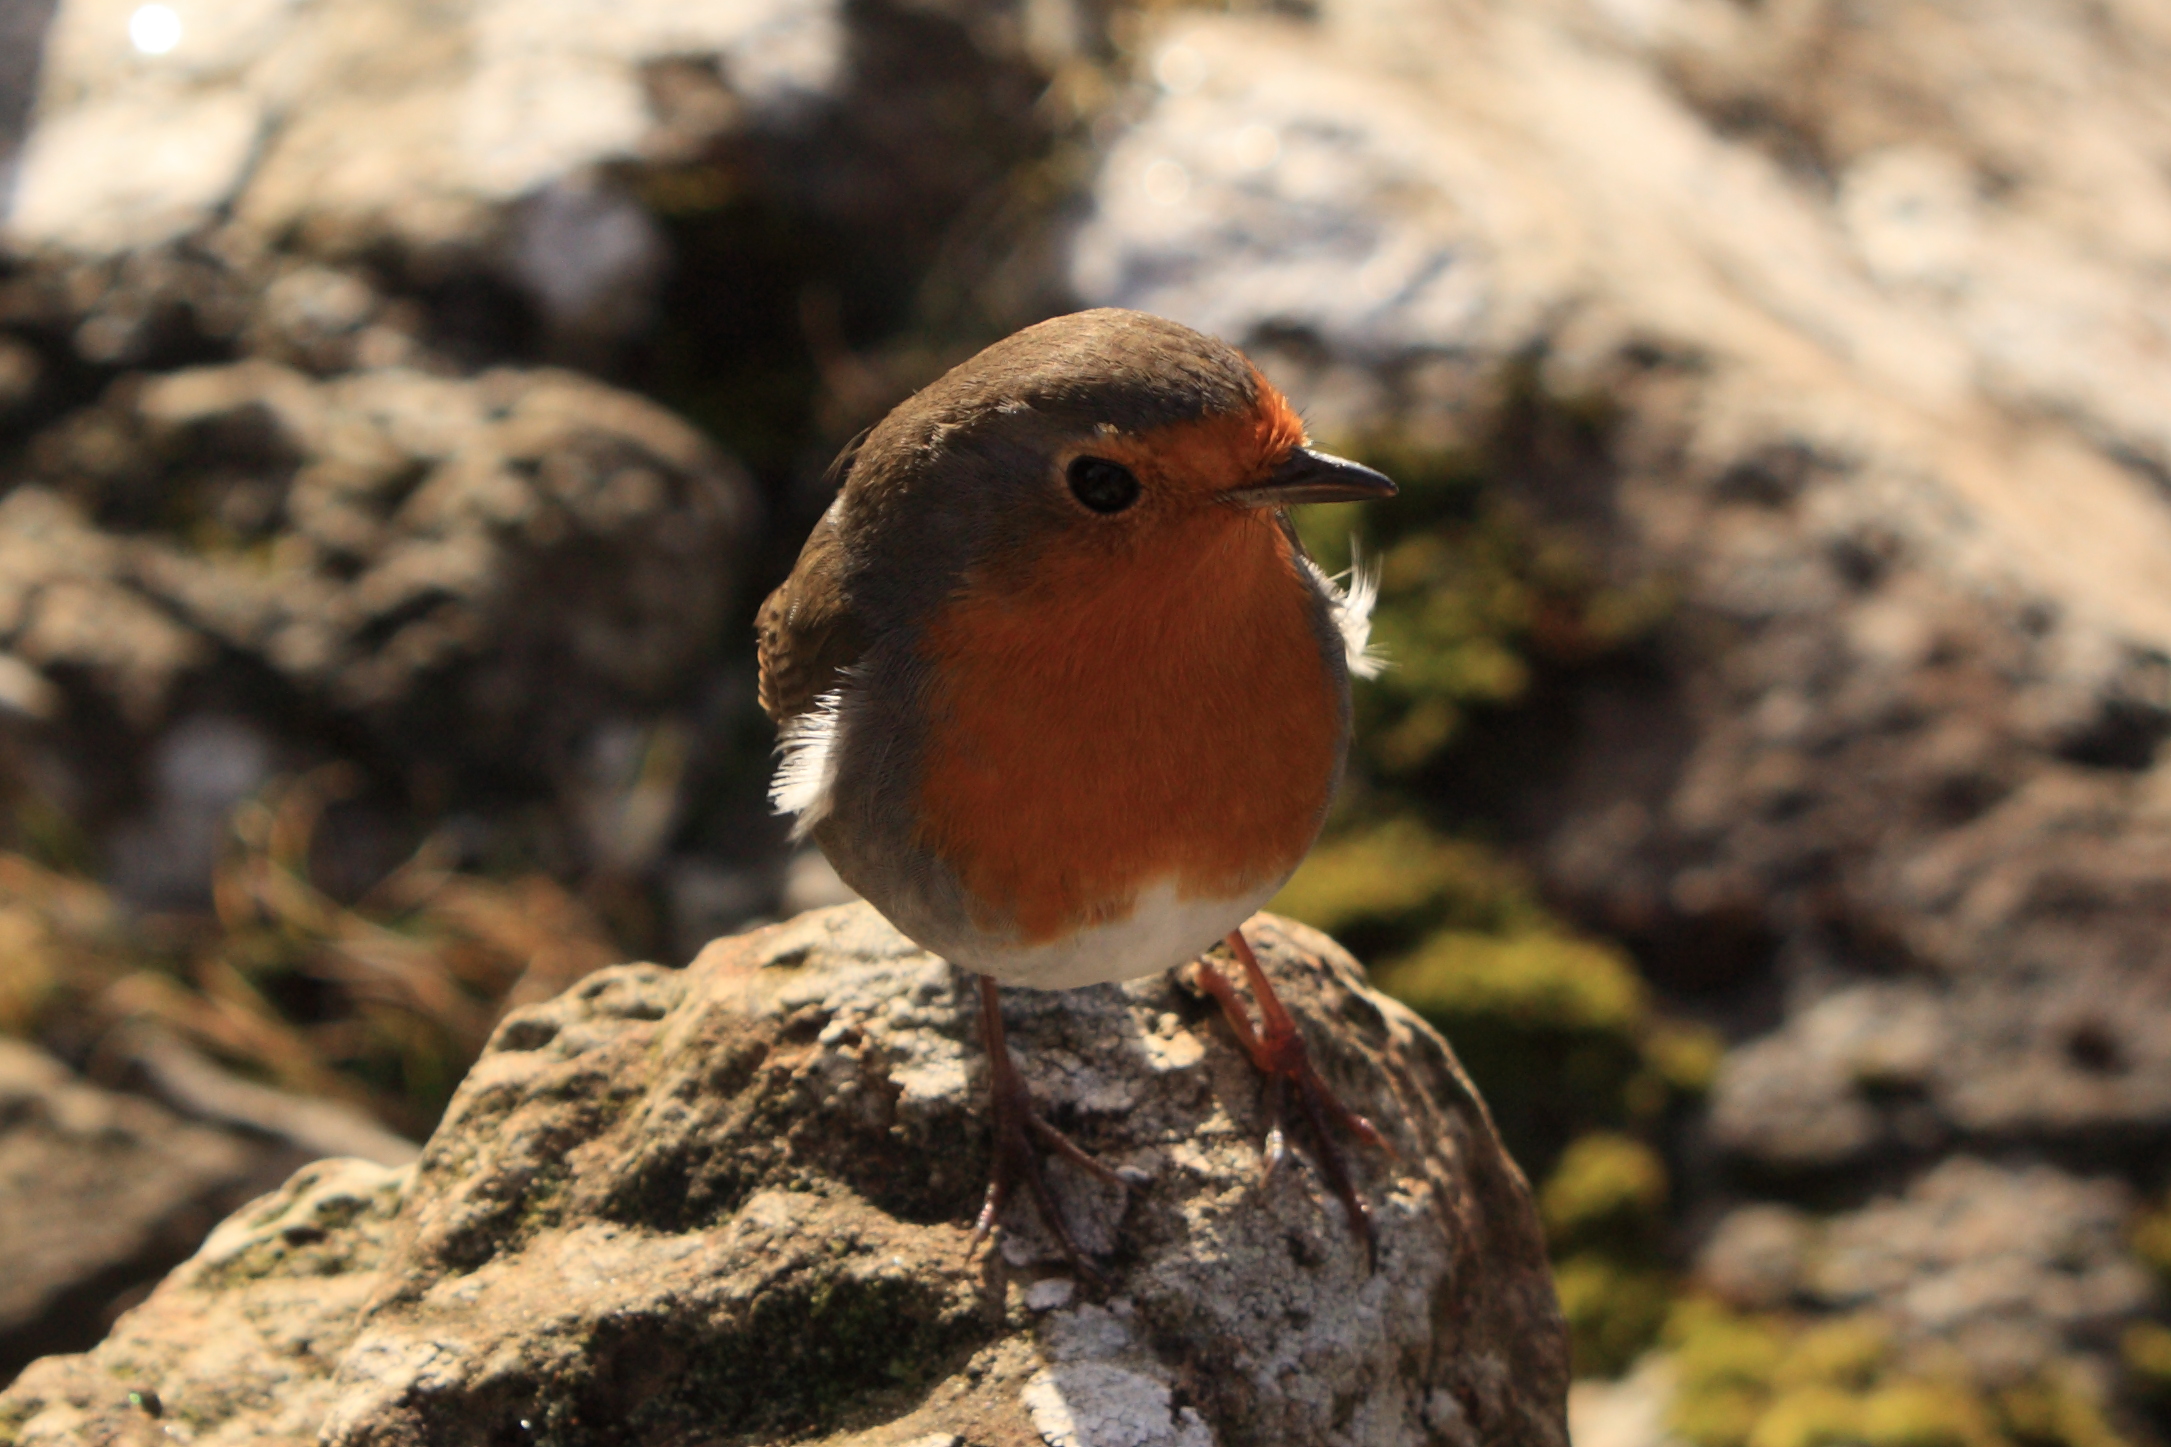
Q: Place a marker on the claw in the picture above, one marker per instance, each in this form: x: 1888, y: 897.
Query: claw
x: 1277, y: 1049
x: 1017, y: 1126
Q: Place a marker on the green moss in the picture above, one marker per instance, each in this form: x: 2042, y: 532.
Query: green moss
x: 2151, y: 1239
x: 1614, y: 1310
x: 1548, y: 1024
x: 1684, y: 1057
x: 1476, y: 605
x: 1846, y: 1352
x: 1392, y: 882
x: 2055, y: 1410
x: 1607, y: 1187
x: 1716, y: 1350
x: 1808, y: 1416
x: 1771, y: 1381
x: 2145, y: 1348
x: 1547, y: 982
x: 803, y: 1362
x: 1905, y: 1414
x: 1926, y: 1414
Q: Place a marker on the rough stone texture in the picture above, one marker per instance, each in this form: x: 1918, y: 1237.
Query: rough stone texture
x: 22, y: 44
x: 355, y: 121
x: 240, y: 1343
x: 2011, y: 1264
x: 1875, y: 298
x: 731, y: 1205
x: 2017, y: 1265
x: 377, y: 532
x: 1758, y: 1256
x: 158, y: 1183
x: 509, y: 575
x: 317, y: 151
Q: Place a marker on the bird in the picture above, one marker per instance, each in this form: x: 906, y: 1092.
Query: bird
x: 1061, y: 694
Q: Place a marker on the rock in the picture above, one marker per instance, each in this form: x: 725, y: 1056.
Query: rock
x: 1843, y: 1077
x: 1758, y: 1256
x: 239, y: 1344
x: 371, y: 226
x: 158, y: 1183
x: 504, y: 565
x: 736, y: 1200
x: 22, y: 43
x: 1872, y: 369
x: 2015, y: 1265
x: 446, y: 153
x: 395, y: 118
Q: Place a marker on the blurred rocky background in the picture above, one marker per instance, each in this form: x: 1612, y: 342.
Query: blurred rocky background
x: 404, y: 406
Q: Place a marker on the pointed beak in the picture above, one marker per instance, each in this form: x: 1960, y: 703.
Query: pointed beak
x: 1310, y: 476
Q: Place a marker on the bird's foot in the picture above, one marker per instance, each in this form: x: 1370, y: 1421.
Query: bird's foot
x: 1276, y: 1048
x: 1020, y: 1135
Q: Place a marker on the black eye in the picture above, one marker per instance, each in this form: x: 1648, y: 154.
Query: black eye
x: 1102, y: 485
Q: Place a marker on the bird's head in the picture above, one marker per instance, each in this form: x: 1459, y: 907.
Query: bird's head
x: 1100, y: 438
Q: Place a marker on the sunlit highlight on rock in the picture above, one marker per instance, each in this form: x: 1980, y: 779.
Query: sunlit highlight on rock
x: 154, y: 29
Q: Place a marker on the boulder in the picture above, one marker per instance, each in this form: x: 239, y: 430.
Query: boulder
x: 510, y: 576
x: 101, y: 1194
x: 535, y: 533
x: 388, y: 118
x: 2011, y: 1263
x: 733, y: 1204
x: 278, y: 171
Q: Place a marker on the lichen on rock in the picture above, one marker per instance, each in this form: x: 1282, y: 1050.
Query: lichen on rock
x: 733, y: 1203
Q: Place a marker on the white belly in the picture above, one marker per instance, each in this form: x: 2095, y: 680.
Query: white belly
x: 1160, y: 933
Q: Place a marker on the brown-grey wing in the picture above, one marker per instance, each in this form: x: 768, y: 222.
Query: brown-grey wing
x: 806, y: 634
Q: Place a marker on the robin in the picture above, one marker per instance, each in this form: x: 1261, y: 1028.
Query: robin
x: 1061, y: 694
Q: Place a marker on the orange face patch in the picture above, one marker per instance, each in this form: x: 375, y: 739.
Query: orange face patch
x: 1193, y: 460
x: 1101, y: 720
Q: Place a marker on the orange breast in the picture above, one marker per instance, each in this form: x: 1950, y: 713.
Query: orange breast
x: 1096, y: 727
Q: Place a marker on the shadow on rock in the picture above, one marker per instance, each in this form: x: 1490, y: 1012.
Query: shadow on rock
x: 732, y: 1204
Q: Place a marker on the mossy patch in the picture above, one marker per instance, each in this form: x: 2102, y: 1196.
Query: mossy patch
x: 2144, y: 1349
x: 1607, y: 1188
x: 811, y: 1355
x: 2151, y: 1238
x: 1772, y: 1381
x: 1615, y: 1308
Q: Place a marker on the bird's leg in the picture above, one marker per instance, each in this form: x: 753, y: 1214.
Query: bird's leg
x: 1017, y: 1127
x: 1277, y: 1049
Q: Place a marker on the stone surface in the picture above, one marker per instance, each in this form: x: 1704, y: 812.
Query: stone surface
x: 158, y: 1183
x: 1870, y: 346
x: 2012, y: 1264
x: 22, y: 44
x: 1853, y: 318
x: 1758, y: 1255
x: 240, y: 1343
x: 510, y: 574
x: 1849, y: 320
x: 486, y: 146
x: 355, y: 121
x: 375, y: 531
x: 732, y: 1204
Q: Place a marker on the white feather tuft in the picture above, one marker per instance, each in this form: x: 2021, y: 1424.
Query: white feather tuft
x: 806, y: 768
x: 1352, y: 608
